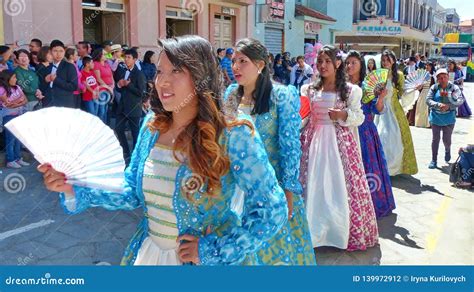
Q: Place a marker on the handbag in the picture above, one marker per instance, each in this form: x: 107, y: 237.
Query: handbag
x: 455, y: 172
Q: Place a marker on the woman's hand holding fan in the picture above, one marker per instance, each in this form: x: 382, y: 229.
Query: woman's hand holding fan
x: 55, y: 181
x: 415, y: 80
x: 374, y: 83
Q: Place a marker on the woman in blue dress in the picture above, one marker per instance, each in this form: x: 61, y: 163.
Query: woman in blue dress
x: 189, y: 160
x: 275, y: 110
x: 456, y: 76
x: 371, y: 148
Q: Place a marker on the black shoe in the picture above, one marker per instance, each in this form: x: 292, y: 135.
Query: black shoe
x: 447, y: 156
x: 432, y: 165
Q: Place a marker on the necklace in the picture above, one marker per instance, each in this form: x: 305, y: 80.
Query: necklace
x: 246, y: 100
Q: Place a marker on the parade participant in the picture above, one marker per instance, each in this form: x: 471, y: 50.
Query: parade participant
x: 188, y: 162
x: 456, y: 76
x: 392, y: 126
x: 371, y: 66
x: 338, y: 201
x: 274, y: 109
x: 443, y: 99
x: 373, y: 156
x: 422, y: 111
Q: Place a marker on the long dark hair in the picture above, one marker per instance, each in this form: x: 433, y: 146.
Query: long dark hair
x: 147, y: 57
x: 43, y: 54
x: 97, y: 54
x: 452, y: 62
x: 69, y: 52
x: 199, y: 141
x: 358, y: 56
x: 256, y: 52
x: 375, y: 64
x: 341, y: 76
x: 391, y: 55
x: 5, y: 77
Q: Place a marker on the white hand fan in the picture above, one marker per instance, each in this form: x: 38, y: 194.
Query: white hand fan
x: 73, y: 142
x: 416, y: 78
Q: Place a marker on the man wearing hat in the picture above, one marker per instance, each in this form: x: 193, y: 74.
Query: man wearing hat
x: 226, y: 65
x: 443, y: 99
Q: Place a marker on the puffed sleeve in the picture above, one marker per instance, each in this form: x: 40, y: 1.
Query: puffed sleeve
x: 355, y: 115
x: 289, y: 123
x: 456, y: 99
x: 127, y: 200
x: 400, y: 84
x: 264, y: 204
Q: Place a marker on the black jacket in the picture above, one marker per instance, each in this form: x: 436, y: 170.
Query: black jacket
x: 421, y: 65
x: 131, y: 97
x: 63, y: 86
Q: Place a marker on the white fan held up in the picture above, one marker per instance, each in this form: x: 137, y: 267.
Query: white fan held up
x: 75, y: 143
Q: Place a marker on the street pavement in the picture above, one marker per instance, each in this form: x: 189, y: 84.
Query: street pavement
x: 432, y: 224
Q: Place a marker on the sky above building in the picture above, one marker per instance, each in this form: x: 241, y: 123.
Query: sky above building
x: 464, y: 8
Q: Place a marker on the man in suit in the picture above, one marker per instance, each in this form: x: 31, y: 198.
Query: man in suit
x: 62, y: 78
x: 131, y: 85
x: 419, y: 63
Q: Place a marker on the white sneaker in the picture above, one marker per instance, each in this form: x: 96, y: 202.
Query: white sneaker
x: 22, y: 162
x: 13, y: 164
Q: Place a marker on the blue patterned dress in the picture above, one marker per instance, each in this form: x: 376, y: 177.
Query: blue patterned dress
x: 280, y: 132
x: 375, y: 165
x: 233, y: 240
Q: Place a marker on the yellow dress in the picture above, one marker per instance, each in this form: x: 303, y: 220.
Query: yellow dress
x: 409, y: 165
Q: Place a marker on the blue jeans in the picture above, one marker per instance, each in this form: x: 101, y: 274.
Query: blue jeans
x: 13, y: 145
x: 91, y: 107
x: 467, y: 166
x: 102, y: 112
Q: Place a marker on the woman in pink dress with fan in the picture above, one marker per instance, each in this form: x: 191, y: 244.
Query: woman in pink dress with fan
x: 338, y: 201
